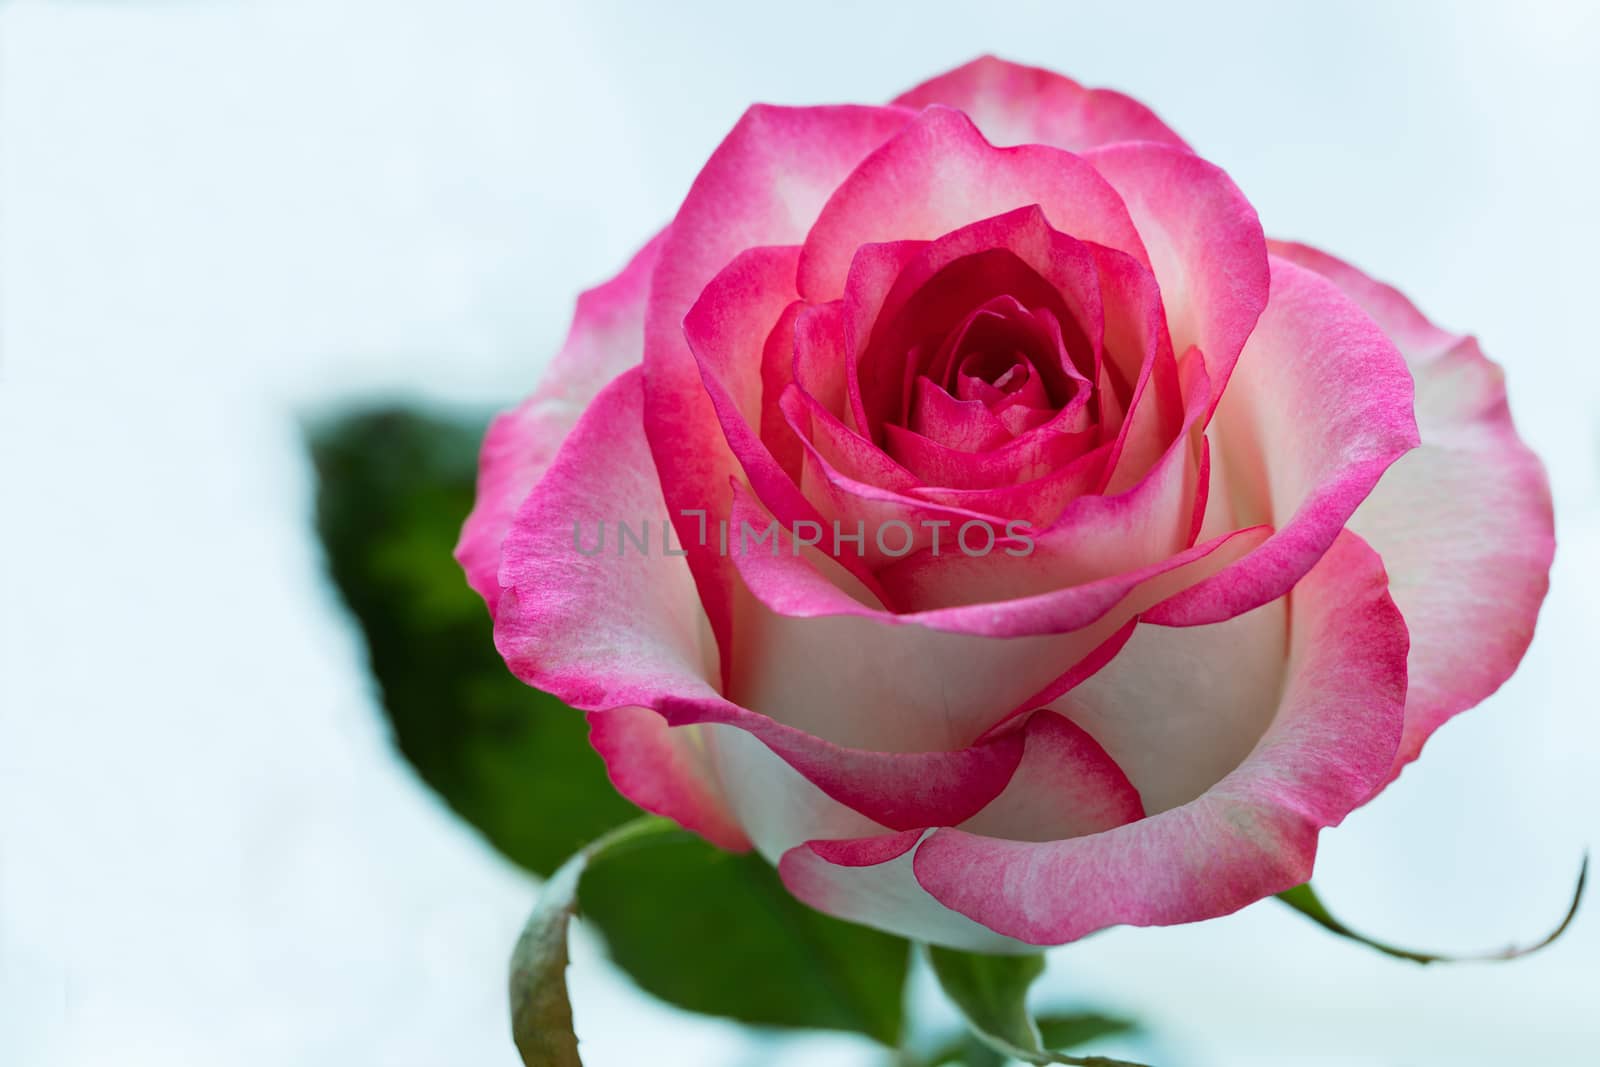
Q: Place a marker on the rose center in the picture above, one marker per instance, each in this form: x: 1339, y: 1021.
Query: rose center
x: 997, y: 379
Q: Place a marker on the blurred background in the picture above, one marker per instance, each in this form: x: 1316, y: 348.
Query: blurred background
x: 223, y: 221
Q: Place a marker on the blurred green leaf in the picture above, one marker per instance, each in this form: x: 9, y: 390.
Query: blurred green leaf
x: 393, y: 488
x: 991, y: 992
x: 1304, y: 899
x: 703, y: 929
x: 718, y: 933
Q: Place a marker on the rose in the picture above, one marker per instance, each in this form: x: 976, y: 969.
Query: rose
x: 1260, y: 570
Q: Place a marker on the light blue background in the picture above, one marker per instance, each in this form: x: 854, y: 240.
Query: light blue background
x: 216, y: 216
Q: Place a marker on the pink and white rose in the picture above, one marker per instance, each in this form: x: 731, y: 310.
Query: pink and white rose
x: 1252, y: 527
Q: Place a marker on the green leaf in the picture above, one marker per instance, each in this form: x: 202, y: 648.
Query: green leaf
x: 717, y: 933
x: 1304, y: 899
x: 393, y: 488
x: 541, y: 1007
x: 1072, y: 1029
x: 991, y: 992
x: 704, y: 930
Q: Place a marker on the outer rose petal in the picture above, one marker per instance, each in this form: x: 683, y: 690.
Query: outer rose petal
x: 607, y: 337
x: 551, y: 594
x: 1419, y: 340
x: 1254, y: 833
x: 1318, y: 409
x: 1463, y: 523
x: 664, y: 769
x: 1014, y: 104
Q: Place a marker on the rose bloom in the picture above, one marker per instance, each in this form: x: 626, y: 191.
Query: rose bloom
x: 1260, y: 527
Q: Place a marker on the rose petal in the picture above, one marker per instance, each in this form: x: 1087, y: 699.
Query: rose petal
x: 1254, y: 833
x: 1015, y: 104
x: 651, y: 637
x: 1317, y: 410
x: 1143, y: 423
x: 1039, y: 503
x: 729, y: 329
x: 894, y: 789
x: 864, y: 682
x: 1205, y: 246
x: 905, y: 294
x: 939, y: 174
x: 778, y: 806
x: 612, y: 628
x: 762, y: 186
x: 664, y: 770
x: 606, y: 338
x: 810, y: 585
x: 1093, y: 537
x: 861, y: 491
x: 1463, y: 523
x: 870, y: 881
x: 1064, y: 786
x: 622, y: 629
x: 1178, y: 708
